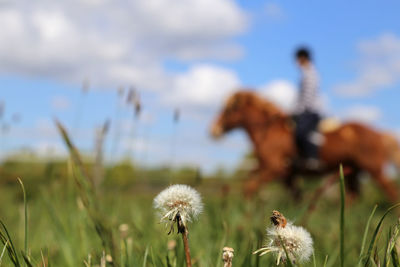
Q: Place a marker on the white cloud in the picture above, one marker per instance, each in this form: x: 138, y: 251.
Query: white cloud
x: 378, y: 67
x: 202, y: 86
x: 281, y: 92
x: 115, y: 42
x: 60, y: 103
x: 362, y: 113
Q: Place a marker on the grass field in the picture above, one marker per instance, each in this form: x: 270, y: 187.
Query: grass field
x: 61, y: 231
x: 74, y: 220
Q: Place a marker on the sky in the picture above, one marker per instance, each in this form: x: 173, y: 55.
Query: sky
x: 187, y: 55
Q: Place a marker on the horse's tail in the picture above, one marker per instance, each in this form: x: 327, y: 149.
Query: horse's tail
x: 392, y: 148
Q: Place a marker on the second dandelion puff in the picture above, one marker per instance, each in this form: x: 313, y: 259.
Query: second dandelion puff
x: 283, y: 235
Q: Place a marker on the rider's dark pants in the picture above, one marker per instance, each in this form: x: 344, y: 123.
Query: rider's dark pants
x: 306, y: 123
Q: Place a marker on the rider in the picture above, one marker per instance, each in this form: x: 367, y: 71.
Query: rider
x: 307, y: 113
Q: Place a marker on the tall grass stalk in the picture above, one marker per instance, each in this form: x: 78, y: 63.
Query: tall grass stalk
x: 342, y: 204
x: 365, y: 235
x: 326, y: 260
x: 7, y: 242
x: 87, y: 193
x: 2, y: 252
x: 392, y: 238
x: 146, y: 253
x: 25, y: 216
x: 314, y: 260
x: 5, y: 238
x: 372, y: 244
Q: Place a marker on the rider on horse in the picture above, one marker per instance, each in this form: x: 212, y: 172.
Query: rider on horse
x: 307, y: 110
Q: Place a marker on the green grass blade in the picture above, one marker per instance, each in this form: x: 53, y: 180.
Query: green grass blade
x: 326, y: 260
x: 366, y: 233
x: 27, y: 261
x: 153, y: 260
x: 387, y: 248
x: 146, y: 253
x: 3, y: 251
x: 395, y: 258
x: 87, y: 193
x: 314, y: 261
x: 342, y: 203
x: 6, y: 238
x: 25, y: 215
x: 374, y: 236
x: 391, y: 243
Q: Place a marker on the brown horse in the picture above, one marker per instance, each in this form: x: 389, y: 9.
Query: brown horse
x: 358, y: 147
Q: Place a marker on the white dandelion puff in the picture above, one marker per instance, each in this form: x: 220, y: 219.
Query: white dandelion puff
x: 295, y: 239
x: 178, y: 202
x: 227, y: 256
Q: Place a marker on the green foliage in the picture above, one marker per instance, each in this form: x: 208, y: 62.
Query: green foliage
x: 67, y: 216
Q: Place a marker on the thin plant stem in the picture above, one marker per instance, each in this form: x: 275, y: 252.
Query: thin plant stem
x: 25, y: 216
x: 365, y: 236
x: 4, y: 250
x: 184, y: 231
x: 186, y: 247
x: 342, y: 202
x: 326, y: 260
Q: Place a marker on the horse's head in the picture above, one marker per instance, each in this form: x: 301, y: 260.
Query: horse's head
x: 241, y: 109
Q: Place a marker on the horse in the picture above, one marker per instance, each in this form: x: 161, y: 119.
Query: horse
x: 271, y: 131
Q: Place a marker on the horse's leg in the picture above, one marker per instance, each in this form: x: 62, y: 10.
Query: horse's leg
x: 292, y: 185
x: 265, y: 175
x: 251, y: 186
x: 387, y: 185
x: 353, y: 184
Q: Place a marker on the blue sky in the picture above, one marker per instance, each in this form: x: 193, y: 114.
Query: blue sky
x: 188, y: 55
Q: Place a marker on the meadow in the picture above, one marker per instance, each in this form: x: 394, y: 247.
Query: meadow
x: 72, y: 222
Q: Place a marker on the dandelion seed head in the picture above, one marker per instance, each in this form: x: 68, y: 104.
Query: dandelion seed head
x: 179, y: 200
x: 297, y: 241
x: 284, y: 235
x: 227, y: 256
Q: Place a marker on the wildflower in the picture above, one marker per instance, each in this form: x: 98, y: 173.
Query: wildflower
x: 284, y: 235
x: 178, y: 203
x: 227, y: 256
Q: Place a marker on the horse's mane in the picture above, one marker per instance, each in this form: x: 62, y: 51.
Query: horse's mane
x: 262, y: 103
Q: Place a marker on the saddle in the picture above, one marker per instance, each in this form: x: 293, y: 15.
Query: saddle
x: 329, y: 124
x: 307, y: 165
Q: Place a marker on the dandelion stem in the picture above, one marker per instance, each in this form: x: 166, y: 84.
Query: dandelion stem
x: 187, y: 249
x: 183, y: 230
